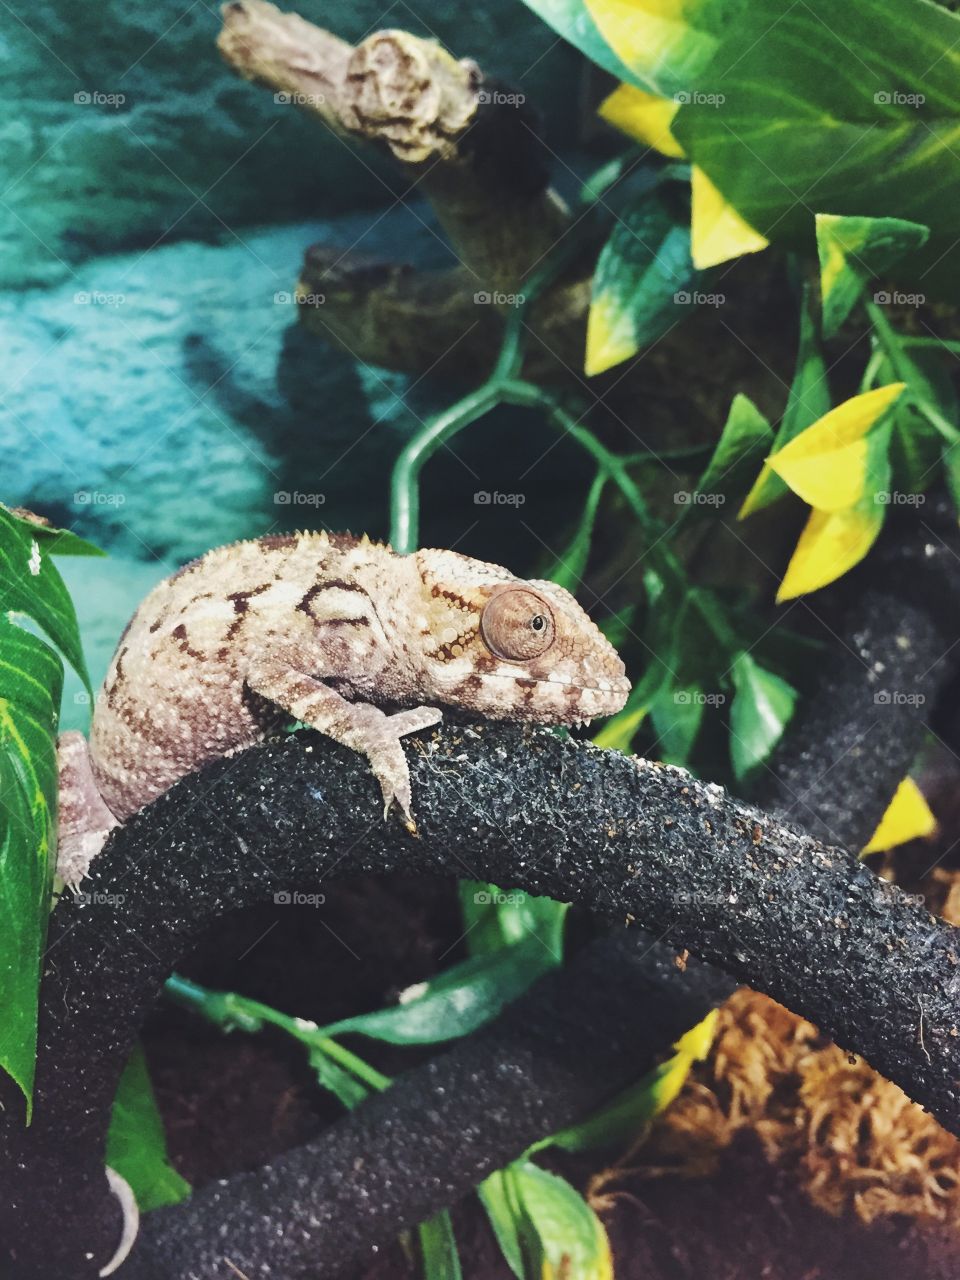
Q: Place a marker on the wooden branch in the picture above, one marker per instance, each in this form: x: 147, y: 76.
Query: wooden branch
x: 472, y: 151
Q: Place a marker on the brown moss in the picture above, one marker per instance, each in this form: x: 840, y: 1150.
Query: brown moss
x: 854, y: 1141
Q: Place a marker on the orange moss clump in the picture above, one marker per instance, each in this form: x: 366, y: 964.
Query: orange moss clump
x: 854, y: 1140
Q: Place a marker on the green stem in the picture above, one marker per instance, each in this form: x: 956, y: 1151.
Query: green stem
x: 907, y: 372
x: 405, y: 481
x: 230, y: 1012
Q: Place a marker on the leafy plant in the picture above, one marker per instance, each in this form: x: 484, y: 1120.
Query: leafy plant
x: 33, y: 599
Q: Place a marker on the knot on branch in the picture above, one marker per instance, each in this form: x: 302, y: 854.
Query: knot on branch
x: 411, y: 93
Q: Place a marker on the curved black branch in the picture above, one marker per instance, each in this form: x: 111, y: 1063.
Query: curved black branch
x: 896, y: 649
x: 427, y: 1142
x: 630, y: 839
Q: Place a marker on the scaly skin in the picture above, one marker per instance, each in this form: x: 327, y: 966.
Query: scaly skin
x: 342, y: 634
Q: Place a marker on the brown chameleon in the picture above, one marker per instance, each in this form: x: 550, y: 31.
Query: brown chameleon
x: 339, y: 633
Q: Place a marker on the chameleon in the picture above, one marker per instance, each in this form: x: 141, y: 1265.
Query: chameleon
x: 339, y: 633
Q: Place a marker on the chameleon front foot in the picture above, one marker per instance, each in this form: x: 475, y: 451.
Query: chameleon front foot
x: 357, y: 725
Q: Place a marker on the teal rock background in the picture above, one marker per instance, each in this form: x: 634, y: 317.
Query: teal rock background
x: 122, y: 125
x: 158, y: 396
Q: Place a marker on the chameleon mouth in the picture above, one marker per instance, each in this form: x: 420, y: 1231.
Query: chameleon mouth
x: 619, y: 684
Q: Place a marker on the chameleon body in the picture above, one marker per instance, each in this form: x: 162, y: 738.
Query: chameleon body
x: 340, y: 633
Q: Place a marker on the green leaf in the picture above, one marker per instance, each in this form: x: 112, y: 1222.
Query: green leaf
x: 496, y: 1196
x: 951, y: 471
x: 494, y: 919
x: 563, y: 1234
x: 55, y: 542
x: 762, y: 706
x: 791, y: 133
x: 570, y: 567
x: 31, y: 682
x: 457, y: 1001
x: 642, y: 285
x: 676, y: 715
x: 136, y: 1145
x: 439, y: 1248
x: 571, y: 19
x: 852, y: 250
x: 667, y: 46
x: 346, y: 1088
x: 31, y: 585
x: 808, y: 400
x: 746, y: 436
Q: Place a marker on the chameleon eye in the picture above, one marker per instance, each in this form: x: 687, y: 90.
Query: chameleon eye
x: 517, y: 625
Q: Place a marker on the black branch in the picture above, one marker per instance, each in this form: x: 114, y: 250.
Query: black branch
x: 442, y: 1128
x: 634, y: 841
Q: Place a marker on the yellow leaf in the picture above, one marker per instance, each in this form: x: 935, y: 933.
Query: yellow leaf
x: 717, y: 231
x: 697, y: 1041
x: 829, y: 464
x: 907, y: 817
x: 643, y: 116
x: 618, y: 732
x: 641, y: 34
x: 610, y: 335
x: 831, y: 543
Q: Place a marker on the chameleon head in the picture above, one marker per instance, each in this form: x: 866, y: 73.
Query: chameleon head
x: 515, y: 650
